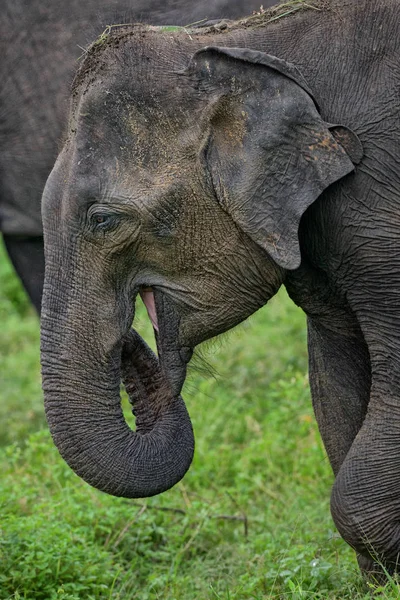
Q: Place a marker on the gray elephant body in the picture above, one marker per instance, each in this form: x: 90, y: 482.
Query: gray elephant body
x: 205, y: 166
x: 41, y: 43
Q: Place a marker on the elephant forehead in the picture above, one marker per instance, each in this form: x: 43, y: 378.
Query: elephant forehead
x: 114, y: 123
x: 160, y: 136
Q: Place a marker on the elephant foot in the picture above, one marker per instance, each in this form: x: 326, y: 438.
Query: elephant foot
x: 374, y: 573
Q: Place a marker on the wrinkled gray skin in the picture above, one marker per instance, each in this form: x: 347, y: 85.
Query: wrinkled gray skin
x: 40, y: 44
x: 213, y: 177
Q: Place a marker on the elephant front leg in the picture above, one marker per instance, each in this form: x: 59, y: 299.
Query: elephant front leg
x: 340, y: 381
x: 366, y: 496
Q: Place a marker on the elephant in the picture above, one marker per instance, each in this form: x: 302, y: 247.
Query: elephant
x: 40, y: 44
x: 203, y: 169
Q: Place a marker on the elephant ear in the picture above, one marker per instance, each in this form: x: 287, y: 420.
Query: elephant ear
x: 268, y: 151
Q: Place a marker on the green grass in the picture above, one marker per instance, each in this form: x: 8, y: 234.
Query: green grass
x: 249, y: 521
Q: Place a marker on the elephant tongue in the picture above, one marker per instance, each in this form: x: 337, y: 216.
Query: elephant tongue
x: 148, y: 300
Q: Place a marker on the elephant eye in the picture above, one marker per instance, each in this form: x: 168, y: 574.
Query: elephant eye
x: 102, y: 221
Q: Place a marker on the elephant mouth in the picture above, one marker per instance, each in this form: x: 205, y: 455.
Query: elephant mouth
x: 165, y: 319
x: 147, y: 296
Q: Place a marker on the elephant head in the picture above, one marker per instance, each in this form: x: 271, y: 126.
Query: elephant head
x: 184, y: 178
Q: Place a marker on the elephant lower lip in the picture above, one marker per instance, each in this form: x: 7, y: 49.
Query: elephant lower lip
x: 186, y: 354
x: 147, y: 297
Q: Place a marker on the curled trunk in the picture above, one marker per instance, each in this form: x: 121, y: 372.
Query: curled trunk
x: 83, y: 409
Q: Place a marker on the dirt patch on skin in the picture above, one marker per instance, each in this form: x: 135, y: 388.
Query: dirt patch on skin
x: 91, y: 60
x: 229, y: 124
x: 113, y: 35
x: 263, y: 17
x: 279, y: 12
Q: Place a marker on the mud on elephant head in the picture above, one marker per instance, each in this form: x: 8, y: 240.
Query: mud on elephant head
x: 184, y: 177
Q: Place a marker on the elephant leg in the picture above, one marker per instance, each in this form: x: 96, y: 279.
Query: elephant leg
x: 372, y: 571
x: 27, y: 257
x: 365, y: 500
x: 340, y: 382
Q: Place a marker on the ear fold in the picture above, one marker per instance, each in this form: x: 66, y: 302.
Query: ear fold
x: 269, y: 153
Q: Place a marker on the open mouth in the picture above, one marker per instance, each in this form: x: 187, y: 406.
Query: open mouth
x: 165, y: 319
x: 147, y: 297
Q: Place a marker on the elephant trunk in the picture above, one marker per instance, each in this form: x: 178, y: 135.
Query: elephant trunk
x: 83, y: 409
